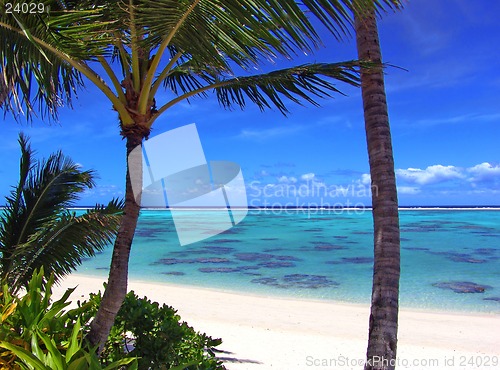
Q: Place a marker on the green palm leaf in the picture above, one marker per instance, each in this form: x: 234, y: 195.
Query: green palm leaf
x: 266, y: 90
x: 37, y: 230
x: 35, y: 75
x: 45, y: 189
x: 45, y: 54
x: 65, y: 242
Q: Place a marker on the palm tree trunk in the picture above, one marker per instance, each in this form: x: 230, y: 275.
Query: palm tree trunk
x: 383, y: 327
x: 116, y: 289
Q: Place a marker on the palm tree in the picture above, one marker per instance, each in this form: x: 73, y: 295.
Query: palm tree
x: 382, y: 341
x: 187, y: 47
x: 37, y: 230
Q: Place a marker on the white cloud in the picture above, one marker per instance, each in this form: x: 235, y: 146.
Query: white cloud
x: 271, y: 133
x: 430, y: 175
x: 481, y: 178
x: 308, y: 176
x: 104, y: 191
x: 408, y: 190
x: 484, y: 172
x: 287, y: 180
x: 451, y: 120
x: 366, y: 179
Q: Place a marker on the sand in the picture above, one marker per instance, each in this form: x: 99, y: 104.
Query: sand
x: 272, y: 333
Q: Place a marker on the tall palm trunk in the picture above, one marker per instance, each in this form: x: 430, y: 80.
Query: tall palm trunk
x: 383, y: 327
x: 116, y: 289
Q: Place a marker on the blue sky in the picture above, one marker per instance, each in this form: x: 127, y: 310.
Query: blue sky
x: 444, y: 108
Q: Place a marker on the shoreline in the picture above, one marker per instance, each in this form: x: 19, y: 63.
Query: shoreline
x: 280, y: 333
x: 251, y: 294
x: 285, y: 297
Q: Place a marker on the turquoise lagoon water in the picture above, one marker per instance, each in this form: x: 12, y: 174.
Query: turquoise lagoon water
x: 324, y: 254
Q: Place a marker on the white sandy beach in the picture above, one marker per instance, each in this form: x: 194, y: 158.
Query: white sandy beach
x: 272, y: 333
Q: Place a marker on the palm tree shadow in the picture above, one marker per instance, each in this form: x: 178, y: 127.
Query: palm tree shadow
x: 234, y: 360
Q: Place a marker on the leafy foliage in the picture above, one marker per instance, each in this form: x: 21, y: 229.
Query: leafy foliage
x: 35, y: 75
x: 295, y: 84
x: 50, y: 357
x: 36, y: 229
x: 156, y: 336
x: 38, y: 333
x: 154, y: 40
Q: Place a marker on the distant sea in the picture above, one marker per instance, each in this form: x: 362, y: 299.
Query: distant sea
x: 450, y: 258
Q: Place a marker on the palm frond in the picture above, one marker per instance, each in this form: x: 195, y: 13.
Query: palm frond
x: 5, y: 89
x: 216, y: 36
x: 297, y: 84
x: 242, y: 30
x: 63, y: 243
x: 337, y: 15
x: 12, y: 215
x: 53, y: 185
x: 38, y: 204
x: 216, y: 33
x: 38, y: 79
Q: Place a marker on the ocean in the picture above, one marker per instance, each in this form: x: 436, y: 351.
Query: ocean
x: 450, y: 258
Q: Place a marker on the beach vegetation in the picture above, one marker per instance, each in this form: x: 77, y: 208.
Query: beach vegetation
x: 156, y: 335
x: 36, y: 227
x: 37, y: 332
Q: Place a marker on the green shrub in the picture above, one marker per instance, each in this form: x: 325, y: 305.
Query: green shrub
x: 72, y: 356
x: 155, y: 335
x: 36, y: 333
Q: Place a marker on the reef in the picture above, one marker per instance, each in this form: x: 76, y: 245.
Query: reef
x: 462, y: 286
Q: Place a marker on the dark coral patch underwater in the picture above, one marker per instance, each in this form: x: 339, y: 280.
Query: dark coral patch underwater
x: 302, y: 281
x: 152, y: 233
x: 219, y: 250
x: 485, y: 251
x: 460, y: 257
x: 176, y: 261
x: 352, y: 260
x: 277, y: 264
x: 314, y: 230
x: 227, y: 269
x: 263, y: 257
x: 495, y: 299
x: 462, y: 286
x: 328, y: 247
x: 221, y: 241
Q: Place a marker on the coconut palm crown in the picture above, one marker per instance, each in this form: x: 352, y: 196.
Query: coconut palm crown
x: 186, y: 47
